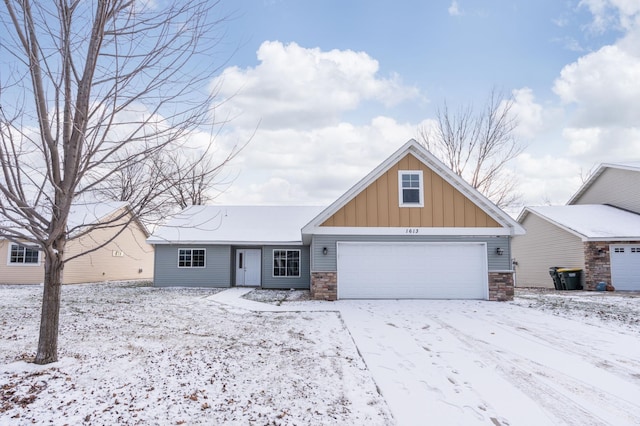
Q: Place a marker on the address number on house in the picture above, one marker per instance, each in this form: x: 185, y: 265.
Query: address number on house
x: 411, y: 231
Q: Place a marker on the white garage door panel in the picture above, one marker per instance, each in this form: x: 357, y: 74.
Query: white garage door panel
x: 412, y: 270
x: 625, y: 266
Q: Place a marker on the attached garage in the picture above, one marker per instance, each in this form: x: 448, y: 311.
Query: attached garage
x: 625, y: 266
x: 412, y: 270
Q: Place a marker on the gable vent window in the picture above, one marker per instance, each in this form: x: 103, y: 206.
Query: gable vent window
x: 410, y: 188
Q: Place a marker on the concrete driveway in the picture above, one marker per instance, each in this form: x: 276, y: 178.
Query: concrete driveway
x: 478, y: 362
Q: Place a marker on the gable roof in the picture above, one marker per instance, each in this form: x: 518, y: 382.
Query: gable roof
x: 590, y: 222
x: 429, y: 160
x: 246, y: 225
x: 632, y: 166
x: 85, y: 214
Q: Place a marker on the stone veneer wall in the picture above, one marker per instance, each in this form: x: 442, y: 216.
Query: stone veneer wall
x: 501, y: 286
x: 324, y: 286
x: 597, y: 262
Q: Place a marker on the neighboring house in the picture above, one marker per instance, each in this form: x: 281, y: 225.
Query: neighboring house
x: 598, y: 231
x: 410, y: 229
x: 127, y: 257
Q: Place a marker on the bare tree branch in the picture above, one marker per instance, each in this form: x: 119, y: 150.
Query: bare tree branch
x: 478, y: 146
x: 95, y: 91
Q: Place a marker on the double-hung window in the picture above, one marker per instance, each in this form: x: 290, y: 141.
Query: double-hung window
x: 286, y: 263
x: 410, y: 188
x: 191, y: 258
x: 23, y: 255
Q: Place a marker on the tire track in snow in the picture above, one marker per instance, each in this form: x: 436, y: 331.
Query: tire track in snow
x: 626, y: 369
x: 549, y: 390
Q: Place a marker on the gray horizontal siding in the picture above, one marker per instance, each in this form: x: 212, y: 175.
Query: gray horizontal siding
x: 327, y: 263
x: 617, y: 187
x: 217, y: 272
x: 269, y: 281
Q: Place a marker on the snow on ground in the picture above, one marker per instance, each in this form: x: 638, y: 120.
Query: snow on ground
x: 139, y: 355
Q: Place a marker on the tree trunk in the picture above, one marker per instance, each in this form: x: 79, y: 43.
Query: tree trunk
x: 50, y: 319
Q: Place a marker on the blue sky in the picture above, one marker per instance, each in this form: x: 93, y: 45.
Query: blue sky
x: 333, y: 87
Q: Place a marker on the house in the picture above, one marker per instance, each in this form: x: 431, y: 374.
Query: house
x: 126, y: 257
x: 409, y: 229
x: 597, y: 231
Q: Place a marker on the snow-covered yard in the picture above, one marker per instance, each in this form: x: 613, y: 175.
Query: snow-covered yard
x: 132, y: 354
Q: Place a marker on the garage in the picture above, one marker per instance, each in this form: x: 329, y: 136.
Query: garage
x: 412, y: 270
x: 625, y: 266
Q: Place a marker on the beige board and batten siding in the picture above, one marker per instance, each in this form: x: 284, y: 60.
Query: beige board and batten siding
x: 543, y: 246
x: 617, y: 187
x: 18, y: 274
x: 127, y: 257
x: 378, y: 206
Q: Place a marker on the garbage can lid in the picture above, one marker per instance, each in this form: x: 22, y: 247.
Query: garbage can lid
x: 569, y: 270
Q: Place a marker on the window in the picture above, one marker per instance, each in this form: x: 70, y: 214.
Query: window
x: 618, y: 250
x: 286, y: 263
x: 410, y: 188
x: 191, y: 258
x: 24, y: 255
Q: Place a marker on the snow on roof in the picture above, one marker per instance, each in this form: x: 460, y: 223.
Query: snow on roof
x: 591, y: 221
x: 91, y: 213
x: 80, y: 215
x: 236, y: 225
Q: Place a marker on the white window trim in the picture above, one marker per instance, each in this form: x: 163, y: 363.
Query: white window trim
x: 192, y: 249
x: 273, y: 253
x: 401, y: 203
x: 9, y: 263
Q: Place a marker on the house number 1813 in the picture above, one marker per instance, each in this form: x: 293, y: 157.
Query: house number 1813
x: 411, y: 231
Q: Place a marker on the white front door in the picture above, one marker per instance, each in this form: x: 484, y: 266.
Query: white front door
x: 248, y: 264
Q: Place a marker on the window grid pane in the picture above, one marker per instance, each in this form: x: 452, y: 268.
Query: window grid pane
x: 23, y: 254
x: 410, y: 184
x: 286, y: 263
x: 191, y: 258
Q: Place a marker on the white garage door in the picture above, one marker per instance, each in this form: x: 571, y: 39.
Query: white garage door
x: 625, y: 266
x: 412, y: 270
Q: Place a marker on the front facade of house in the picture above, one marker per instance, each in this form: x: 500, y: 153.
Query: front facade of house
x: 126, y: 257
x: 597, y: 231
x: 410, y: 229
x: 226, y: 246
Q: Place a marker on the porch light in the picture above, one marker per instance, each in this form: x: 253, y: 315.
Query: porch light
x: 499, y: 251
x: 325, y: 251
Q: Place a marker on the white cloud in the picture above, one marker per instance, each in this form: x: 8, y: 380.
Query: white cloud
x: 604, y: 86
x: 608, y: 13
x: 454, y: 9
x: 549, y: 179
x: 296, y: 87
x: 312, y: 166
x: 529, y: 113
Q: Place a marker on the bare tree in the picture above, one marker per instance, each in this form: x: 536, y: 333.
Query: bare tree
x: 192, y: 180
x: 88, y: 90
x: 477, y: 145
x: 166, y: 182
